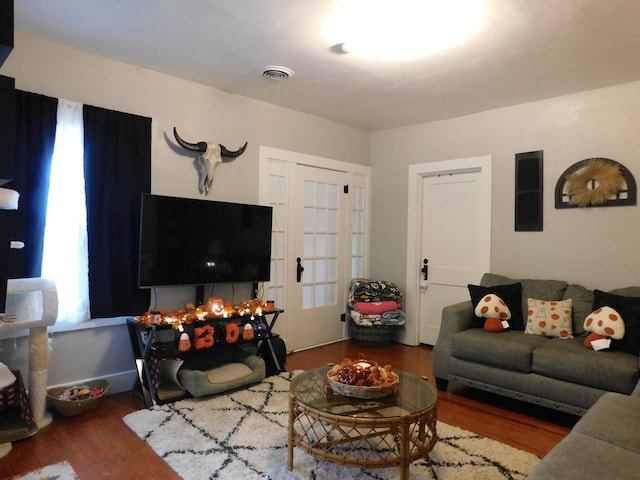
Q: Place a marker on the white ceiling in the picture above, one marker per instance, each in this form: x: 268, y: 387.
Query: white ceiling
x: 525, y: 50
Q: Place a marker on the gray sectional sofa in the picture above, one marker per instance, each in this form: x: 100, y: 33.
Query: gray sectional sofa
x: 558, y: 373
x: 604, y: 444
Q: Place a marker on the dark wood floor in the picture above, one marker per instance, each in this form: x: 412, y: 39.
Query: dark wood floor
x: 99, y: 445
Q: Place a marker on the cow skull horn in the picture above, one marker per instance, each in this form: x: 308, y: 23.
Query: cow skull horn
x: 228, y: 153
x: 200, y: 147
x: 211, y: 155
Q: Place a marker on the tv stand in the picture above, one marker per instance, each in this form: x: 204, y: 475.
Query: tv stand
x: 152, y: 344
x: 199, y: 295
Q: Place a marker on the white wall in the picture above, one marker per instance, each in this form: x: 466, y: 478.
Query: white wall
x: 199, y: 113
x: 596, y: 247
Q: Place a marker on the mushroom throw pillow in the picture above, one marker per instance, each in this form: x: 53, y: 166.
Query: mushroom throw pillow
x: 509, y: 295
x: 604, y: 323
x: 495, y: 312
x: 551, y: 318
x: 629, y: 310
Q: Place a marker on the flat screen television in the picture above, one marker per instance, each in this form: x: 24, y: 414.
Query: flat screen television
x: 199, y: 242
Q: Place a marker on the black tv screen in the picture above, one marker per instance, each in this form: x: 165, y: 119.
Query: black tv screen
x: 198, y: 242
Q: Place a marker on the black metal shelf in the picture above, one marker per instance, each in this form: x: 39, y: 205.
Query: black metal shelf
x: 153, y: 343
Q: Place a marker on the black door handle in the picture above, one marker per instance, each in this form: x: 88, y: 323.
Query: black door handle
x: 299, y: 269
x: 425, y: 269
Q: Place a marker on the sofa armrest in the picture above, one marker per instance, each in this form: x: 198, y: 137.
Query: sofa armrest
x: 455, y: 318
x: 636, y: 391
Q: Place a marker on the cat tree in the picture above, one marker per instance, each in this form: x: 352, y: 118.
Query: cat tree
x: 31, y: 304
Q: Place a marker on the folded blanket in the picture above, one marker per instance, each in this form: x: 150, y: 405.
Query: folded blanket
x: 393, y: 318
x: 364, y: 290
x: 375, y: 308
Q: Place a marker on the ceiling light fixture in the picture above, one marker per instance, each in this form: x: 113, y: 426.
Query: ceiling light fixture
x: 402, y: 29
x: 277, y: 73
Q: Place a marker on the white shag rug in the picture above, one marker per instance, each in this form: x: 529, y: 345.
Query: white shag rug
x: 57, y: 471
x: 243, y: 435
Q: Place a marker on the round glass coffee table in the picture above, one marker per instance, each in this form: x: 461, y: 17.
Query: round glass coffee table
x: 372, y: 433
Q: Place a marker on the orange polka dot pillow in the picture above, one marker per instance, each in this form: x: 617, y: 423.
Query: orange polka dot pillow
x: 551, y: 318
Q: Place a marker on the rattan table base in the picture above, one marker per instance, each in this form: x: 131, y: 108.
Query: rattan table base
x: 374, y: 441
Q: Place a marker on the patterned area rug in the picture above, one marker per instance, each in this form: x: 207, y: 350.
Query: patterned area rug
x: 243, y: 435
x: 57, y: 471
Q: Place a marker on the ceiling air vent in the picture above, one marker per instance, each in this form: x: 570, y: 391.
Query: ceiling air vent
x: 277, y: 73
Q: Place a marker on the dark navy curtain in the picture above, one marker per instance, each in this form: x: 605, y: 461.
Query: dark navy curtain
x: 117, y: 153
x: 35, y: 134
x: 117, y: 157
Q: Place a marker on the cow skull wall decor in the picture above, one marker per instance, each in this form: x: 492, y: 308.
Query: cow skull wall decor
x: 211, y: 154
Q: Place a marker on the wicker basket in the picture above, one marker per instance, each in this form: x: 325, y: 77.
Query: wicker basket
x: 364, y: 392
x: 376, y: 336
x: 68, y: 408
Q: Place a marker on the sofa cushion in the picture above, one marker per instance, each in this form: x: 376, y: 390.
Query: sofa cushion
x: 629, y: 310
x: 531, y: 288
x: 626, y: 291
x: 228, y: 372
x: 510, y: 349
x: 511, y: 295
x: 568, y: 360
x: 581, y: 457
x: 551, y: 318
x: 582, y: 301
x: 614, y: 418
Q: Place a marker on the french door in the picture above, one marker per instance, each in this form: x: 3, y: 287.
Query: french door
x: 319, y: 242
x: 318, y: 277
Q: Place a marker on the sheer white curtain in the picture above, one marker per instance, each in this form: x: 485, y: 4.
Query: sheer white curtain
x: 65, y: 257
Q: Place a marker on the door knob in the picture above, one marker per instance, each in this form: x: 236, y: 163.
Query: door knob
x: 425, y: 269
x: 299, y: 269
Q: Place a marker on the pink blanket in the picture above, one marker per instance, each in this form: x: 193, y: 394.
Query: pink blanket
x: 375, y: 308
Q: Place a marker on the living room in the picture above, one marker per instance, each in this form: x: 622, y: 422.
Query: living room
x: 594, y: 247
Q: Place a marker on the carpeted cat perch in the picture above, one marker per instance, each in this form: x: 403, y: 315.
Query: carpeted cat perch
x: 32, y: 303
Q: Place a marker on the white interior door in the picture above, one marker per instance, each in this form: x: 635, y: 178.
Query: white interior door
x: 453, y: 235
x: 318, y: 274
x: 326, y: 225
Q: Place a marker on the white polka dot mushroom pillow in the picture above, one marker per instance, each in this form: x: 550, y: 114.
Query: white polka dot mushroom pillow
x: 604, y: 323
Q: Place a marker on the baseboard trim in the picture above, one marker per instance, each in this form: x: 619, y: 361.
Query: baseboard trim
x: 119, y: 382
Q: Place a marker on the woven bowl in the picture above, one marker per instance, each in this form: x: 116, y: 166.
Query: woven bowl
x: 364, y: 392
x: 69, y: 408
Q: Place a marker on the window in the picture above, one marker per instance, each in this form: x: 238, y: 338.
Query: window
x: 65, y: 254
x: 102, y: 165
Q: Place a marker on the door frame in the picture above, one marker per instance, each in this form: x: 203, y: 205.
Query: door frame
x: 356, y: 174
x: 480, y: 164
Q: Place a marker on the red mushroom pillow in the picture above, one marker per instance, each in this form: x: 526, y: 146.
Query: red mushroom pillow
x: 550, y: 318
x: 604, y: 324
x: 511, y: 296
x: 629, y: 310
